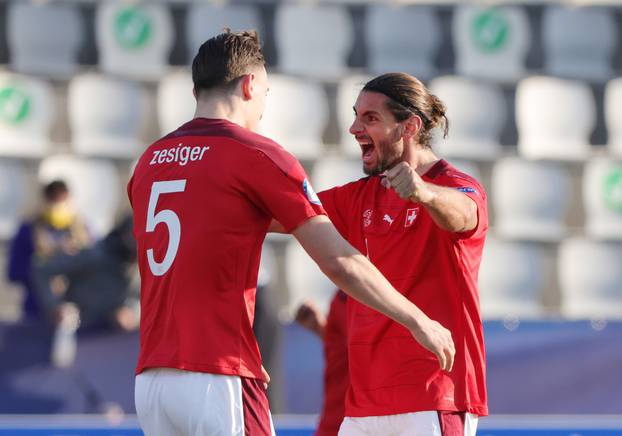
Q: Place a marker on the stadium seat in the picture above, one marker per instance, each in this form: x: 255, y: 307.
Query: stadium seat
x: 602, y: 197
x: 106, y: 116
x: 410, y: 46
x: 176, y: 104
x: 491, y: 42
x: 334, y: 171
x: 511, y: 279
x: 204, y: 20
x: 44, y: 38
x: 590, y: 278
x: 27, y: 113
x: 348, y: 90
x: 555, y: 118
x: 296, y: 115
x: 134, y: 39
x: 313, y: 40
x: 304, y: 280
x: 94, y: 185
x: 530, y: 199
x: 613, y: 116
x: 579, y: 42
x: 475, y: 129
x: 13, y: 190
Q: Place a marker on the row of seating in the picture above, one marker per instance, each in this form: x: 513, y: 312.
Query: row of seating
x: 135, y: 39
x: 554, y: 117
x: 530, y: 200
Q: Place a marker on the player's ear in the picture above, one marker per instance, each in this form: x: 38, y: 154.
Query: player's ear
x: 412, y: 126
x: 248, y: 85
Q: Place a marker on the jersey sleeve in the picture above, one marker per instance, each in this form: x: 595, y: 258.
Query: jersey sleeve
x: 333, y: 203
x: 472, y: 189
x: 285, y: 193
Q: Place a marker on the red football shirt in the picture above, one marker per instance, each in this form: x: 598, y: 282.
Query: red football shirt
x: 336, y: 378
x: 390, y: 373
x: 203, y: 198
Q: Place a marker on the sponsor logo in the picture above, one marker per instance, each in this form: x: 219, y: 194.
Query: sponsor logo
x: 612, y: 192
x: 14, y: 105
x: 132, y: 28
x: 411, y: 216
x: 367, y: 217
x: 490, y: 31
x: 387, y: 218
x: 467, y: 189
x: 310, y: 193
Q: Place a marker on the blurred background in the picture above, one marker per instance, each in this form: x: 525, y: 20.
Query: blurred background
x: 534, y: 97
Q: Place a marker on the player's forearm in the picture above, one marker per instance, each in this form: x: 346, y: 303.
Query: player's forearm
x: 449, y: 208
x: 358, y: 277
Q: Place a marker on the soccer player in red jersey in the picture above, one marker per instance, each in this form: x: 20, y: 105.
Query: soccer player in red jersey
x: 332, y: 330
x: 203, y: 198
x: 423, y: 223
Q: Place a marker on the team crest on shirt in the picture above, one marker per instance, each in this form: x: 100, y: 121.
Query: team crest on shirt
x: 310, y: 193
x: 411, y: 216
x: 367, y: 217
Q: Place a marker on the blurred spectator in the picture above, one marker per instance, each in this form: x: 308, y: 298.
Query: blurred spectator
x: 332, y: 331
x: 55, y: 229
x: 99, y: 292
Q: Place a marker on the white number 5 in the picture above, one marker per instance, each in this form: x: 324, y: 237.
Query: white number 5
x: 167, y: 217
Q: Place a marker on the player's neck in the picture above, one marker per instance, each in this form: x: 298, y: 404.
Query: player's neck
x: 422, y: 159
x: 220, y: 109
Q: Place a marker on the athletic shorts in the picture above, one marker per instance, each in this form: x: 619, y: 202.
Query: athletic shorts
x: 429, y: 423
x: 172, y: 402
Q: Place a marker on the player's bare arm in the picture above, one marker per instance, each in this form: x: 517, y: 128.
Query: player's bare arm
x: 357, y: 276
x: 450, y: 209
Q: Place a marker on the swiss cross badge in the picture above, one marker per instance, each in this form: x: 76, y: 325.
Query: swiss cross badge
x: 411, y: 216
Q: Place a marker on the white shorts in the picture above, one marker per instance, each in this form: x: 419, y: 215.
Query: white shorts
x: 171, y: 402
x: 432, y: 423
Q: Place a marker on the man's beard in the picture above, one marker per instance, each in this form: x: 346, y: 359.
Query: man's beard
x: 390, y: 154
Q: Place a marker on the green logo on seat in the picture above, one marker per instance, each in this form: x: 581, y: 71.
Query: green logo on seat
x: 132, y: 28
x: 613, y: 189
x: 14, y: 105
x: 490, y: 30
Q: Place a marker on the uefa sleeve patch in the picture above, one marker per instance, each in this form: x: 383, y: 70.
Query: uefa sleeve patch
x: 310, y: 193
x: 467, y: 190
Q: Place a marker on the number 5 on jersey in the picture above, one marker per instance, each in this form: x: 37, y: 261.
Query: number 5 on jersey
x: 167, y: 217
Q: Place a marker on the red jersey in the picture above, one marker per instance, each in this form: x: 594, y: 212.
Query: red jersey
x: 203, y: 198
x: 390, y: 373
x: 336, y: 379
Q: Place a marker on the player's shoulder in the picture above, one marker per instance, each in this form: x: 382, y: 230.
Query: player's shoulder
x: 447, y: 173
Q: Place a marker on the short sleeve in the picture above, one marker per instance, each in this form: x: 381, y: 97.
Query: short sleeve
x: 333, y: 203
x: 472, y: 189
x: 284, y: 193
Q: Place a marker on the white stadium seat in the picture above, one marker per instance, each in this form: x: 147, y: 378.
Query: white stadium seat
x: 27, y: 113
x: 591, y: 279
x: 602, y: 197
x: 335, y: 171
x: 13, y: 190
x: 491, y: 42
x: 304, y: 49
x: 106, y: 116
x: 296, y: 115
x: 579, y: 42
x: 530, y: 199
x: 204, y: 20
x: 94, y: 185
x: 44, y: 38
x: 176, y: 103
x: 304, y: 280
x: 477, y: 115
x: 555, y: 118
x: 613, y: 116
x: 409, y: 47
x: 134, y: 39
x: 511, y: 279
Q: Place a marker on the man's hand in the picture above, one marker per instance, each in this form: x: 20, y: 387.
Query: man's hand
x: 408, y: 184
x: 310, y: 317
x: 266, y: 377
x: 437, y: 339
